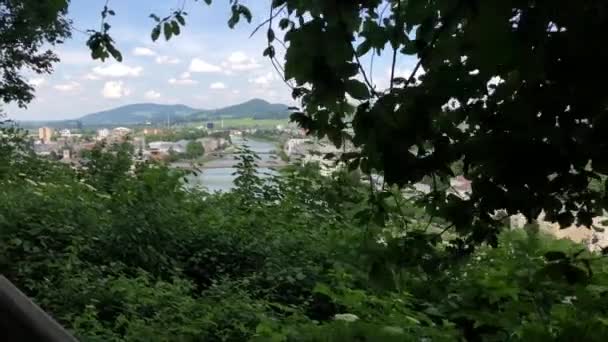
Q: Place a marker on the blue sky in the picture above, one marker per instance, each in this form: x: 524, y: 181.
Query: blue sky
x: 208, y: 66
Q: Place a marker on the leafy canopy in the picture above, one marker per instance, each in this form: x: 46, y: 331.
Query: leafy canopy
x: 25, y: 27
x: 195, y: 149
x: 508, y: 89
x: 279, y: 258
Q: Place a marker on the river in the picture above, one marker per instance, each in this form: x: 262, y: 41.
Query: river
x: 217, y: 174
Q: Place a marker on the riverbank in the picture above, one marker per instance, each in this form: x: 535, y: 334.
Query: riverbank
x: 217, y: 174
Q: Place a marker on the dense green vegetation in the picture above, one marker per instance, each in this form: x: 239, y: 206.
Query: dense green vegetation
x: 194, y: 150
x: 117, y: 254
x: 249, y: 122
x: 507, y: 92
x: 177, y: 134
x: 493, y: 87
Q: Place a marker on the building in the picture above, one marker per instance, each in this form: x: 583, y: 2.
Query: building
x: 103, y: 133
x: 120, y: 131
x: 211, y: 144
x: 67, y: 154
x: 45, y: 149
x: 181, y: 146
x: 161, y: 147
x: 65, y: 133
x: 298, y: 146
x: 45, y: 134
x: 153, y: 131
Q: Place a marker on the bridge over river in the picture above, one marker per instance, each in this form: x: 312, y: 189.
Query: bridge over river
x: 217, y: 174
x: 226, y: 163
x: 233, y: 152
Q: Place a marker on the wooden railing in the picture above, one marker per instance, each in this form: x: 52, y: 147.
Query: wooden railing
x: 22, y: 320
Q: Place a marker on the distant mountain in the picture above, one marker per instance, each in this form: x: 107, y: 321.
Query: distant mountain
x: 140, y: 113
x: 137, y: 113
x: 256, y: 108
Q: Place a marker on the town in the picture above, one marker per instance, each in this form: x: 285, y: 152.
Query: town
x: 172, y: 145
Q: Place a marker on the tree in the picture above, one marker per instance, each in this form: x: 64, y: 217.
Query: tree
x: 26, y: 26
x: 194, y: 150
x: 105, y: 166
x: 509, y: 88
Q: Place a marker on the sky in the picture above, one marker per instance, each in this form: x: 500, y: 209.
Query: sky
x: 208, y: 66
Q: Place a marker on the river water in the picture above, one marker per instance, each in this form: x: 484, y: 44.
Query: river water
x: 217, y: 175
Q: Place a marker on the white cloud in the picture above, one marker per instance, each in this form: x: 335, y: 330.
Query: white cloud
x: 74, y: 57
x: 143, y: 51
x: 67, y: 87
x: 239, y: 61
x: 91, y: 77
x: 263, y: 80
x: 199, y: 65
x: 36, y: 82
x: 152, y: 95
x: 167, y: 60
x: 217, y: 85
x: 115, y: 90
x: 118, y: 70
x: 183, y: 81
x: 238, y: 57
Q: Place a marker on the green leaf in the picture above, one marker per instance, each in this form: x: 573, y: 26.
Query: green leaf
x: 180, y: 19
x: 565, y: 219
x: 234, y: 19
x: 269, y: 52
x: 322, y: 289
x: 167, y: 30
x: 155, y: 17
x: 381, y: 277
x: 155, y: 33
x: 245, y: 12
x: 208, y: 2
x: 284, y: 23
x: 175, y: 28
x: 270, y: 35
x: 555, y: 255
x: 114, y: 52
x: 364, y: 48
x: 357, y: 89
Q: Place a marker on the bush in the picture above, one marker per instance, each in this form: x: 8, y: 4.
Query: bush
x: 131, y: 255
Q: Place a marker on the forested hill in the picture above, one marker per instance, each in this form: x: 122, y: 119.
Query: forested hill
x: 150, y: 112
x: 255, y: 108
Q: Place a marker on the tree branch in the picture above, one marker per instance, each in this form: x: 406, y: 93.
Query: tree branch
x: 371, y: 63
x: 413, y: 74
x: 363, y: 73
x: 398, y: 27
x: 393, y: 67
x: 269, y: 20
x: 445, y: 230
x: 273, y: 60
x: 423, y: 53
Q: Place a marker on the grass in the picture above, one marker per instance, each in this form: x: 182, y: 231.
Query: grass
x: 243, y: 123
